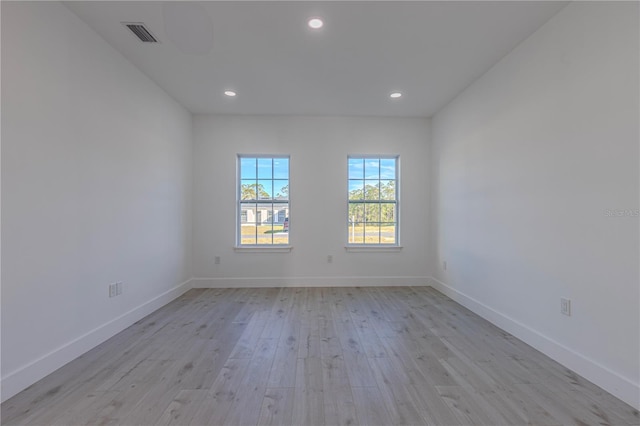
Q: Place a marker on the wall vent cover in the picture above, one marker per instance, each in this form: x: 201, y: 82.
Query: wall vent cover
x: 141, y: 32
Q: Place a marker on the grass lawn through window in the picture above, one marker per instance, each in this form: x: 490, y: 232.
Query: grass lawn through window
x: 372, y: 233
x: 264, y: 233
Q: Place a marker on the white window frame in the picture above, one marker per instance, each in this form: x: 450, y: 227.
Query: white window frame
x: 363, y: 246
x: 272, y: 202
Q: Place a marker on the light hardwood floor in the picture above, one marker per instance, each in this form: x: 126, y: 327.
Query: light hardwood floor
x: 314, y: 356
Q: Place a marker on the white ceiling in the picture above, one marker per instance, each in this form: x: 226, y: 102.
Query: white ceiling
x: 264, y: 50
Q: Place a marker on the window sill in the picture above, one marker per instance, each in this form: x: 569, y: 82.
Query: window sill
x: 372, y: 249
x: 263, y: 249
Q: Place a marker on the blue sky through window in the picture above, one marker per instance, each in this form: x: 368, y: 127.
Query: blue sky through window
x: 372, y: 168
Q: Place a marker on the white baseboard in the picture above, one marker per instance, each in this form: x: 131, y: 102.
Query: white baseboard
x: 27, y: 375
x: 309, y: 282
x: 612, y: 382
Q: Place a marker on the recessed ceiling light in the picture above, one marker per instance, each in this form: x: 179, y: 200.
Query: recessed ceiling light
x: 315, y: 23
x: 230, y: 93
x: 395, y: 95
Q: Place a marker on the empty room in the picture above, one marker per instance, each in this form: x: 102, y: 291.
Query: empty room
x: 320, y: 213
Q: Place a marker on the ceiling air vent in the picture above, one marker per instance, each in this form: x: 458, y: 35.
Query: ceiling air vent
x: 141, y: 32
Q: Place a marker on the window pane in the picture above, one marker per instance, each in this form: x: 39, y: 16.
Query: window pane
x: 372, y: 213
x: 265, y: 168
x: 371, y: 190
x: 372, y: 168
x: 281, y: 168
x: 247, y: 168
x: 356, y: 168
x: 372, y: 233
x: 387, y: 168
x: 356, y: 212
x: 281, y: 189
x: 247, y: 213
x: 280, y: 216
x: 248, y: 190
x: 248, y: 233
x: 387, y: 213
x: 265, y: 189
x: 388, y: 190
x: 356, y: 233
x: 280, y: 226
x: 388, y: 233
x: 265, y: 227
x: 356, y: 190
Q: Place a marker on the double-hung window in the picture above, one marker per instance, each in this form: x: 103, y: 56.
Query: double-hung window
x: 263, y: 200
x: 372, y: 200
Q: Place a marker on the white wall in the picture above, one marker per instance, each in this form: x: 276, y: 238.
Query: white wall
x: 318, y: 147
x: 526, y: 163
x: 96, y: 184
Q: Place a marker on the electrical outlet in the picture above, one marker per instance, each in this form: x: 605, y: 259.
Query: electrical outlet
x: 565, y: 306
x: 444, y: 265
x: 216, y: 260
x: 329, y: 259
x: 115, y: 289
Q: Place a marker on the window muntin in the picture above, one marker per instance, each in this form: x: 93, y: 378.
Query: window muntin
x: 372, y: 200
x: 263, y: 200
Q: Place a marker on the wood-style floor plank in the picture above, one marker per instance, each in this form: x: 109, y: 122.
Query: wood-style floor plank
x: 314, y: 356
x: 308, y: 403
